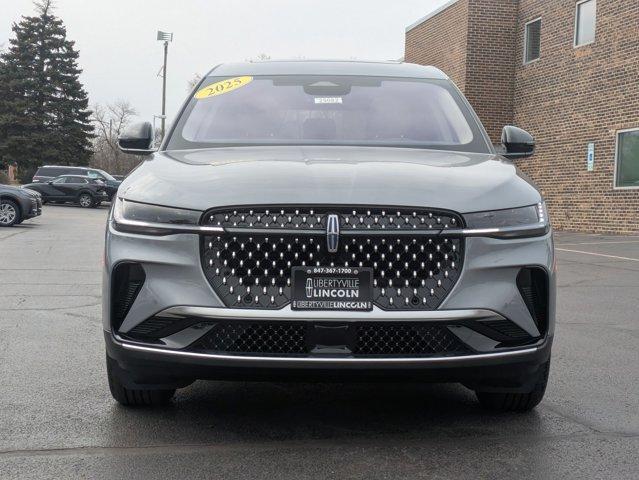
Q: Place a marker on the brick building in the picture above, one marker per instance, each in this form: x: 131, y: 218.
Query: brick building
x: 568, y: 72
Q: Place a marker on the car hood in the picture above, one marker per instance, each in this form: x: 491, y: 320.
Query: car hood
x: 201, y: 179
x: 23, y: 190
x: 31, y: 188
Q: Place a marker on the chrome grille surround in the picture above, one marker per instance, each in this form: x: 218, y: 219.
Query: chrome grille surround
x: 314, y: 218
x: 415, y: 263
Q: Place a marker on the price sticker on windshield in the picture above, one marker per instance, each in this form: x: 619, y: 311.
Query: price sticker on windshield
x: 222, y: 87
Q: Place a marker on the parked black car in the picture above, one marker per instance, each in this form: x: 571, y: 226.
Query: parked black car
x: 18, y: 204
x: 82, y: 190
x: 49, y: 172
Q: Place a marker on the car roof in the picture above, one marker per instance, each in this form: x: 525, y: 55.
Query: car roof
x: 328, y: 67
x: 73, y: 167
x: 73, y: 175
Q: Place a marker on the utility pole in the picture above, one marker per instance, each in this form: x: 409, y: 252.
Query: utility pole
x: 166, y: 38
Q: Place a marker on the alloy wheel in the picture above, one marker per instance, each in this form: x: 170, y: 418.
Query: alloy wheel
x: 85, y: 200
x: 7, y: 214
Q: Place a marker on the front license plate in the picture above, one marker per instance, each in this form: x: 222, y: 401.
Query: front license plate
x: 332, y: 288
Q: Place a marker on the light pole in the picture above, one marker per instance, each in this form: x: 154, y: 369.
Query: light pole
x: 165, y: 37
x: 161, y: 117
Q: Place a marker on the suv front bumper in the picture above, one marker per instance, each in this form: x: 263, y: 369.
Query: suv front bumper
x: 175, y: 284
x: 143, y: 366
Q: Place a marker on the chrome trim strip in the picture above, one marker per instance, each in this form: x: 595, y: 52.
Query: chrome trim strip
x: 503, y: 232
x: 275, y: 231
x: 287, y: 314
x: 325, y: 360
x: 398, y: 232
x: 508, y: 232
x: 344, y: 232
x: 168, y: 227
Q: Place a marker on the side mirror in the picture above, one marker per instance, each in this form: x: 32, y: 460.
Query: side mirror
x: 517, y: 143
x: 137, y: 139
x: 49, y: 182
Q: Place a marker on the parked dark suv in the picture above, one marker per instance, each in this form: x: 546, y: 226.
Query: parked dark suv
x: 49, y: 172
x: 329, y: 220
x: 82, y: 190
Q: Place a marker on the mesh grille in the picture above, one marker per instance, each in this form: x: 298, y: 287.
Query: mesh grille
x: 406, y: 339
x: 369, y: 339
x: 314, y: 218
x: 263, y: 337
x: 250, y: 267
x: 254, y: 271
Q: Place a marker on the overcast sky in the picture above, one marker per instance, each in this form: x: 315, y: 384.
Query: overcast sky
x: 121, y: 57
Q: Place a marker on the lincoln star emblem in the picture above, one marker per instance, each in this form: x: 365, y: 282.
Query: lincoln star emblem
x: 332, y: 233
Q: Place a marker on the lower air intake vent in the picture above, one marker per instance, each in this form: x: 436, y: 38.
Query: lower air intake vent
x: 406, y: 339
x: 509, y: 329
x: 150, y: 328
x: 533, y: 285
x: 263, y: 337
x: 306, y: 338
x: 128, y: 279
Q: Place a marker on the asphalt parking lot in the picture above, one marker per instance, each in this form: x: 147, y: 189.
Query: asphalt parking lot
x: 57, y: 418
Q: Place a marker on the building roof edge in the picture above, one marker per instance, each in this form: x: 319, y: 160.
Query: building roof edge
x: 431, y: 15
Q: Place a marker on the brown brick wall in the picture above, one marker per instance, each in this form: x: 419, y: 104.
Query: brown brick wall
x: 566, y: 99
x: 573, y: 96
x: 471, y: 41
x: 441, y: 42
x: 490, y: 62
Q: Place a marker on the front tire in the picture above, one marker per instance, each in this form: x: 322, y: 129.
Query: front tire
x: 517, y: 402
x: 135, y: 397
x: 9, y: 213
x: 85, y: 200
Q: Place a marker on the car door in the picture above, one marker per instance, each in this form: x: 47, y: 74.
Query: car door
x: 52, y: 190
x: 72, y: 186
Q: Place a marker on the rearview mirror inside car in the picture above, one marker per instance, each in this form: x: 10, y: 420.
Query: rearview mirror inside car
x: 517, y: 143
x: 137, y: 139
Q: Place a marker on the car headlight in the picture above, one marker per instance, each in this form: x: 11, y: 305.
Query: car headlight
x: 146, y: 219
x: 521, y: 222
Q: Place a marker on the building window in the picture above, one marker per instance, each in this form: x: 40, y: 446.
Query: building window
x: 585, y: 22
x: 532, y: 41
x: 627, y: 172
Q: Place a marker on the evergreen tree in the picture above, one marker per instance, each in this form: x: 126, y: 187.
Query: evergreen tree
x: 44, y: 117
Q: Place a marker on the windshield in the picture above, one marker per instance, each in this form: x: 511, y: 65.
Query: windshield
x: 327, y: 110
x: 100, y: 173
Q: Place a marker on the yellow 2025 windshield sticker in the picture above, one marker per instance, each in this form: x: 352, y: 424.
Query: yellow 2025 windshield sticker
x: 222, y: 87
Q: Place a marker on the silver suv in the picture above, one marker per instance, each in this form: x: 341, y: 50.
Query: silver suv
x: 328, y: 220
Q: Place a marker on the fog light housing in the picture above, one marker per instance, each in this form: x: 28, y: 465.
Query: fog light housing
x: 126, y: 283
x: 532, y: 283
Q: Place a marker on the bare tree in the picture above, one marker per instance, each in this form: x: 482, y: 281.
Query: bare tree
x: 110, y: 121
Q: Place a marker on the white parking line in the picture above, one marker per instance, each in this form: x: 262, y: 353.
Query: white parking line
x: 596, y: 243
x: 598, y: 254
